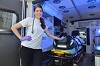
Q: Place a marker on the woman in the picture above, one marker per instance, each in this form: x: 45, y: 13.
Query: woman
x: 31, y: 52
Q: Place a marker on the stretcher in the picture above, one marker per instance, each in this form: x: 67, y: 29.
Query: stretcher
x: 62, y: 57
x: 66, y: 51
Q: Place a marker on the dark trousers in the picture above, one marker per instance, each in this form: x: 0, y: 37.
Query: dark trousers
x: 31, y: 57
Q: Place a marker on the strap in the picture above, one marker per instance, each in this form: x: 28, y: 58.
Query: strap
x: 79, y: 41
x: 75, y: 41
x: 33, y: 26
x: 76, y: 44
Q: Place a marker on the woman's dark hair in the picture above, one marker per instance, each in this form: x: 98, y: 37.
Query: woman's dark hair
x: 41, y: 19
x: 75, y: 33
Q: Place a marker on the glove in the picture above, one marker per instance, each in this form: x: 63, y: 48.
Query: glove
x: 62, y: 38
x: 28, y: 38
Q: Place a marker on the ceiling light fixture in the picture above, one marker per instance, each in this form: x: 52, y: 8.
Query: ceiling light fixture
x: 92, y: 1
x: 56, y: 1
x: 71, y: 17
x: 61, y: 7
x: 91, y: 7
x: 91, y: 14
x: 66, y: 11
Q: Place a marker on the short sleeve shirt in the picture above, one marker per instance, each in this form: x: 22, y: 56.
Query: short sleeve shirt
x: 35, y: 43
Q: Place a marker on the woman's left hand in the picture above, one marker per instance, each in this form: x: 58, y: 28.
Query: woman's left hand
x: 63, y: 37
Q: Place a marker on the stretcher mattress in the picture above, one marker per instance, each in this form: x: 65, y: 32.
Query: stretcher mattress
x: 73, y: 51
x: 69, y: 52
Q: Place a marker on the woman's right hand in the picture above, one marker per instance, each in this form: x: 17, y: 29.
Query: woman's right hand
x: 28, y: 38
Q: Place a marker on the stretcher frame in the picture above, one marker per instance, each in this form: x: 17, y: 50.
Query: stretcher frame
x: 71, y: 58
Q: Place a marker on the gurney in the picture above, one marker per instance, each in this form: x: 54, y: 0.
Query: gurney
x: 65, y: 56
x: 61, y: 57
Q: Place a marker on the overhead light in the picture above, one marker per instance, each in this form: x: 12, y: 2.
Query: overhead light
x: 91, y: 7
x: 91, y: 14
x: 99, y: 31
x: 92, y: 1
x: 61, y: 7
x: 56, y: 1
x: 71, y: 17
x: 97, y: 47
x: 66, y: 11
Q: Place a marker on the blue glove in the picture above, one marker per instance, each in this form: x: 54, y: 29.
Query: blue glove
x: 28, y: 38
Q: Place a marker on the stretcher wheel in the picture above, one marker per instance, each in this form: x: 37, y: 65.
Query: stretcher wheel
x: 75, y: 64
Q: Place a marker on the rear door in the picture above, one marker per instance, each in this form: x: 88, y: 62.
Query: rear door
x: 10, y: 13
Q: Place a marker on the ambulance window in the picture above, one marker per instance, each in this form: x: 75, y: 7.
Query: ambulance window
x: 7, y: 18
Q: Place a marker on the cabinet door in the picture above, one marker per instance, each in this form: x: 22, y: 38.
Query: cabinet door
x: 9, y: 44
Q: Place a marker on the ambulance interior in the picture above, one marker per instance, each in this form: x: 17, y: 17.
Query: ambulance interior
x: 61, y: 17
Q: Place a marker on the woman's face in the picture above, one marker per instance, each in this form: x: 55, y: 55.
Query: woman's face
x: 38, y: 12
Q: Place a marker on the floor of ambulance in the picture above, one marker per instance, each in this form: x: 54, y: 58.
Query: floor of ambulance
x: 88, y: 60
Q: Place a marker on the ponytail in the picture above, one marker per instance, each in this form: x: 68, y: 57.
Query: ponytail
x: 42, y: 23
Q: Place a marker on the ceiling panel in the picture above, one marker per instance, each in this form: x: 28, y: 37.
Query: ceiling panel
x: 80, y: 2
x: 85, y: 11
x: 66, y: 3
x: 85, y: 8
x: 79, y: 10
x: 72, y: 12
x: 97, y: 15
x: 74, y: 19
